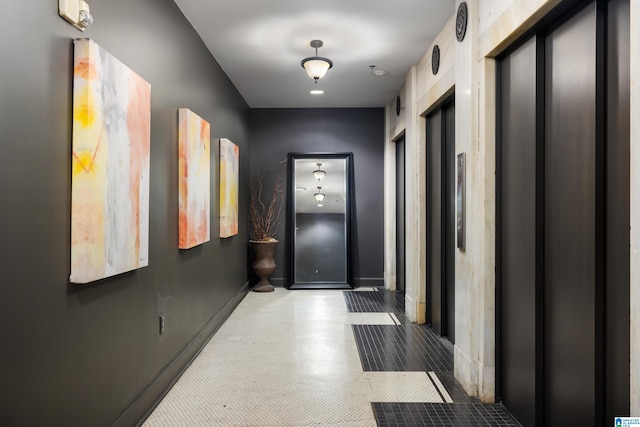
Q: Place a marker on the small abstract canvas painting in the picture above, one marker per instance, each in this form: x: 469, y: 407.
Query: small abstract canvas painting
x: 193, y: 176
x: 110, y: 166
x: 229, y: 165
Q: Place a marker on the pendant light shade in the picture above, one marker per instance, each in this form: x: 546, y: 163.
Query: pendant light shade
x: 319, y: 196
x: 319, y: 173
x: 316, y: 66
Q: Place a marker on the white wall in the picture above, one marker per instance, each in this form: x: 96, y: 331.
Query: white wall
x: 469, y: 69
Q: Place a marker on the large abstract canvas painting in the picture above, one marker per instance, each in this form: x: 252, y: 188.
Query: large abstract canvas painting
x: 193, y: 176
x: 110, y: 166
x: 229, y: 165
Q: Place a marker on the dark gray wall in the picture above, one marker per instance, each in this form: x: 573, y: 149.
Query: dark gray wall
x: 82, y: 355
x: 276, y: 132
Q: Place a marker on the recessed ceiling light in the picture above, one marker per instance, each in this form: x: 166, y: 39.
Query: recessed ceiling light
x: 379, y: 73
x: 316, y: 92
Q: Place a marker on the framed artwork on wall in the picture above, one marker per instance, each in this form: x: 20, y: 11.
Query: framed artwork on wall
x: 110, y: 166
x: 229, y: 179
x: 194, y: 187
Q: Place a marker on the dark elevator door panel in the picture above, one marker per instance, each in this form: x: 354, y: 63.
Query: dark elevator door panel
x: 570, y: 221
x: 434, y: 221
x: 441, y: 225
x: 617, y: 213
x: 449, y: 247
x: 517, y: 212
x: 400, y: 215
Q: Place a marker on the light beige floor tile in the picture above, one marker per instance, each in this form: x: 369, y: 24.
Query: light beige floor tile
x: 286, y: 358
x: 402, y: 387
x: 370, y: 319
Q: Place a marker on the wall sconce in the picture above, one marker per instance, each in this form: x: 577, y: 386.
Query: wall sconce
x: 76, y: 12
x: 319, y: 173
x: 316, y: 66
x: 319, y: 196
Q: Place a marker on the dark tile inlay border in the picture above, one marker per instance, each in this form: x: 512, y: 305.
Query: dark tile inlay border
x: 380, y: 301
x: 408, y: 347
x: 412, y: 347
x: 442, y: 414
x: 454, y: 388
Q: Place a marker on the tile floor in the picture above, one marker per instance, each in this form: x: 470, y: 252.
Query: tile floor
x: 322, y: 358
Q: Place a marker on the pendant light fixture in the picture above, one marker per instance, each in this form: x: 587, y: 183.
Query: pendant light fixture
x: 319, y: 173
x: 316, y: 66
x: 319, y: 196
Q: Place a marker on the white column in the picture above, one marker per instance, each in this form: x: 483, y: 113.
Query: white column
x: 486, y: 303
x: 389, y: 204
x: 415, y: 220
x: 470, y: 269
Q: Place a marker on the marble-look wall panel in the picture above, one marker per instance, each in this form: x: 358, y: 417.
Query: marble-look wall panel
x: 486, y: 327
x: 389, y: 203
x: 432, y: 89
x: 469, y: 263
x: 395, y: 126
x: 398, y: 122
x: 415, y: 186
x: 503, y: 21
x: 490, y: 10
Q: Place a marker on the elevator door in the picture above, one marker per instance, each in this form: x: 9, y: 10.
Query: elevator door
x: 570, y: 222
x: 563, y: 221
x: 400, y: 215
x: 617, y: 332
x: 435, y: 302
x: 517, y: 234
x: 449, y: 215
x: 441, y: 212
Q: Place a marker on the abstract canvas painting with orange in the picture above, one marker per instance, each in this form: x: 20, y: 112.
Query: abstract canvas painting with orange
x: 193, y: 179
x: 110, y: 166
x: 229, y: 164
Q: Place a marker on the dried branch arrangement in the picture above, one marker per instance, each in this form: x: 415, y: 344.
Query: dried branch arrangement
x: 264, y: 211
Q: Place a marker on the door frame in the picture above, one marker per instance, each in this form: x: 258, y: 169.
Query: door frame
x: 401, y: 246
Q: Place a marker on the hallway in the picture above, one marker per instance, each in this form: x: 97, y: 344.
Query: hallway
x: 323, y: 357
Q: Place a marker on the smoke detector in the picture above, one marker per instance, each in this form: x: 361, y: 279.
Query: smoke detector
x: 377, y: 72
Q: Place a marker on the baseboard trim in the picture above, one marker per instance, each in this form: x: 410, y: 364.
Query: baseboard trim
x: 465, y: 371
x: 410, y: 308
x: 369, y: 282
x: 486, y: 383
x: 281, y: 282
x: 144, y: 404
x: 320, y: 286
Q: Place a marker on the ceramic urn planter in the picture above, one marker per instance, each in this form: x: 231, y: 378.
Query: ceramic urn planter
x: 263, y: 263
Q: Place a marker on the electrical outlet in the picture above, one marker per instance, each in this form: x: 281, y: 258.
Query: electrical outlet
x: 161, y: 324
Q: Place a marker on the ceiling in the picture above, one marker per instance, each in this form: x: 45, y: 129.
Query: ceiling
x: 260, y: 43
